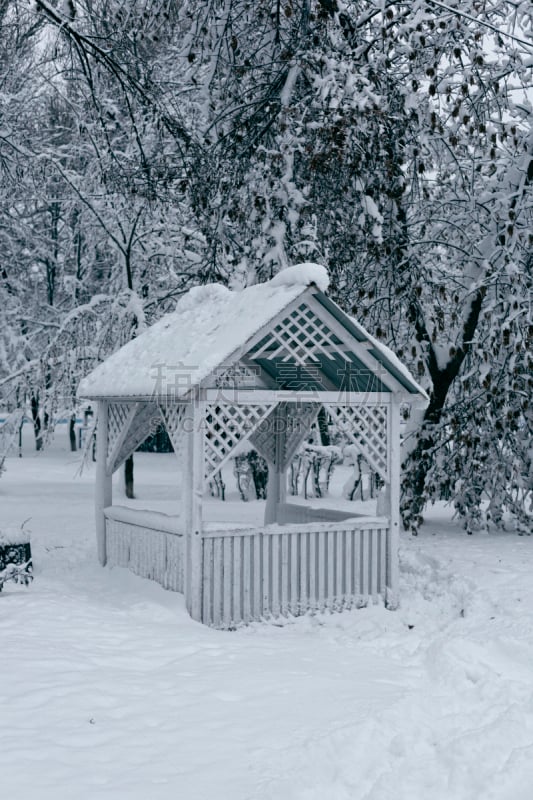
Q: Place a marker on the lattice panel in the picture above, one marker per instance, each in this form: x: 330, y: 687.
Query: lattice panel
x: 301, y: 336
x: 236, y: 375
x: 118, y: 417
x: 144, y: 424
x: 263, y: 438
x: 367, y: 428
x: 225, y: 427
x: 173, y: 417
x: 300, y: 417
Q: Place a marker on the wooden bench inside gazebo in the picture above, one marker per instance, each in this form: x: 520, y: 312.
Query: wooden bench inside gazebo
x: 254, y: 365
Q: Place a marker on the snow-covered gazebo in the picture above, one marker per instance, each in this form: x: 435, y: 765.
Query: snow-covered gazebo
x: 255, y: 365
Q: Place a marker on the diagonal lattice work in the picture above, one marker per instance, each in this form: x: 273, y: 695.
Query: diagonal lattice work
x: 225, y: 427
x: 300, y: 417
x: 119, y: 415
x: 367, y: 427
x: 236, y: 375
x: 301, y: 336
x: 173, y: 417
x: 263, y: 439
x: 143, y: 424
x: 294, y: 421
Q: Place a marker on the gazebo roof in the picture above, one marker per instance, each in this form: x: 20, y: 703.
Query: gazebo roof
x: 213, y: 327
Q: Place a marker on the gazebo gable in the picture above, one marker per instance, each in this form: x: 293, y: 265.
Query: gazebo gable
x: 312, y: 346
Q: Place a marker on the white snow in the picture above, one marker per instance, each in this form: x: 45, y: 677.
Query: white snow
x: 12, y: 535
x: 302, y: 275
x: 110, y: 692
x: 170, y: 523
x: 371, y: 208
x: 288, y: 86
x: 198, y: 295
x: 209, y: 324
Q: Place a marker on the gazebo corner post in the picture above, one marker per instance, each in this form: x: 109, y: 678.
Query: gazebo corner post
x: 103, y: 489
x: 392, y: 598
x: 193, y: 498
x: 277, y: 479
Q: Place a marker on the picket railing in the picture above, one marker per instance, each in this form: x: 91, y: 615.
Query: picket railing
x: 258, y: 573
x: 274, y: 571
x: 148, y: 543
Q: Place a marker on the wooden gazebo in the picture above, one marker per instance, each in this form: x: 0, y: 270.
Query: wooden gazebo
x: 255, y: 365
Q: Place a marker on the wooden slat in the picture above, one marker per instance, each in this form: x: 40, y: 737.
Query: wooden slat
x: 266, y: 596
x: 275, y: 575
x: 227, y: 576
x: 348, y: 565
x: 170, y: 569
x: 322, y: 565
x: 217, y: 581
x: 257, y: 543
x: 330, y: 575
x: 363, y: 565
x: 357, y: 540
x: 207, y: 599
x: 246, y: 579
x: 341, y: 568
x: 303, y: 591
x: 285, y: 574
x: 237, y: 579
x: 374, y: 563
x: 313, y: 576
x: 294, y: 580
x: 382, y: 562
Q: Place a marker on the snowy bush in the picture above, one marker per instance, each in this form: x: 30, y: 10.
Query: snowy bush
x: 15, y: 556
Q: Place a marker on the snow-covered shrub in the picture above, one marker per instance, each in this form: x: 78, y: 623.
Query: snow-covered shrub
x: 315, y: 461
x: 15, y: 556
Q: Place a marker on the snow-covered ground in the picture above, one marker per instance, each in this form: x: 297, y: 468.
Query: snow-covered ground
x: 108, y: 691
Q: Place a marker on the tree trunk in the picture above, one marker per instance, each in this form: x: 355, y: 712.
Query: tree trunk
x: 128, y: 477
x: 72, y: 433
x: 322, y: 420
x: 36, y: 422
x: 421, y: 458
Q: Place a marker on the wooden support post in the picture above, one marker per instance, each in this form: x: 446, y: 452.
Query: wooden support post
x: 193, y: 488
x: 392, y: 591
x: 103, y: 491
x: 271, y: 504
x: 277, y: 482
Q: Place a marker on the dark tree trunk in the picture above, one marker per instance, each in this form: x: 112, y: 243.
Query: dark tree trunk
x: 442, y: 379
x: 128, y: 477
x: 36, y: 422
x: 323, y: 427
x: 128, y: 464
x: 72, y: 433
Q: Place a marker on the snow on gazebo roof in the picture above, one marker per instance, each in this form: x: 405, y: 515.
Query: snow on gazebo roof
x: 210, y: 323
